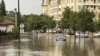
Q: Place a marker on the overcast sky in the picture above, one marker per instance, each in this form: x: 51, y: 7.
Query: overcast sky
x: 26, y: 6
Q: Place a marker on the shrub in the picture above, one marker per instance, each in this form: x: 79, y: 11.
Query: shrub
x: 15, y: 30
x: 5, y: 33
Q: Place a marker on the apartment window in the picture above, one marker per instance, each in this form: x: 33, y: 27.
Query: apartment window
x: 71, y: 0
x: 56, y: 16
x: 94, y: 1
x: 94, y: 7
x: 79, y: 0
x: 79, y: 7
x: 54, y: 10
x: 71, y: 7
x: 59, y: 9
x: 67, y: 0
x: 98, y: 0
x: 99, y: 7
x: 53, y: 4
x: 84, y: 1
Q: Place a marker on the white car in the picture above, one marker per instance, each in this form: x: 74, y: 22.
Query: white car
x: 61, y: 38
x: 81, y: 34
x: 51, y: 31
x: 96, y: 34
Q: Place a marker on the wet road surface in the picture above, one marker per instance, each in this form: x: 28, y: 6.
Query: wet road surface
x: 46, y: 45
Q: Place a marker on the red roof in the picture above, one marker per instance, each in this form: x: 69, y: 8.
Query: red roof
x: 6, y: 22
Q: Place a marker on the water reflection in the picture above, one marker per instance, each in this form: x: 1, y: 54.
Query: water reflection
x: 46, y: 45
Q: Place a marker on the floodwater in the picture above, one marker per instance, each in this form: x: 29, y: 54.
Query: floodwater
x: 45, y: 44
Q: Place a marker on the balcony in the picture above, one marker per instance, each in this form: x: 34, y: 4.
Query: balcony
x: 90, y: 3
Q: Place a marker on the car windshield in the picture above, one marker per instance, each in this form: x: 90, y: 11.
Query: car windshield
x: 78, y: 32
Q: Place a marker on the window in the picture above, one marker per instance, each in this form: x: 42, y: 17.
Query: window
x: 94, y: 1
x: 71, y: 0
x: 99, y: 7
x: 54, y: 10
x: 79, y: 7
x: 79, y: 0
x: 67, y: 0
x: 71, y: 7
x: 98, y: 0
x: 54, y: 4
x: 84, y: 1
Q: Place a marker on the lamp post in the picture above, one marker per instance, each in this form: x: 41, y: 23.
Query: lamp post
x: 18, y: 24
x: 15, y: 16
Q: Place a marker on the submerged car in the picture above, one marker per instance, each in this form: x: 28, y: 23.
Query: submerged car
x: 61, y: 38
x: 81, y: 34
x: 96, y: 34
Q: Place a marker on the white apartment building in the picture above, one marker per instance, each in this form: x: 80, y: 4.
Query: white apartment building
x: 56, y: 7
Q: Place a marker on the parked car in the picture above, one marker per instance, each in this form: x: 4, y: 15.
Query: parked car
x: 61, y: 38
x: 81, y: 34
x: 71, y: 32
x: 96, y: 34
x: 59, y: 30
x: 51, y: 31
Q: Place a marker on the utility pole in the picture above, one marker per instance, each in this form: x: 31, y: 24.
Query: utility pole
x: 15, y: 16
x: 18, y: 24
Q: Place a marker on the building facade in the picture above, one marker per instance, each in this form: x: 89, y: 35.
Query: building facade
x: 6, y: 25
x: 56, y: 7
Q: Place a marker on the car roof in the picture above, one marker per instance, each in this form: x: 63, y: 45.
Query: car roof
x: 60, y: 36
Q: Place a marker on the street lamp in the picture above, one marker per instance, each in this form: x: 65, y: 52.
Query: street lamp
x: 15, y: 16
x: 18, y: 24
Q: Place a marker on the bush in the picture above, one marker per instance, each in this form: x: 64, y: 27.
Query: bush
x: 15, y: 30
x: 5, y: 33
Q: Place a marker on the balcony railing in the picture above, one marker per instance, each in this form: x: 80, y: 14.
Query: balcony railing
x: 90, y: 3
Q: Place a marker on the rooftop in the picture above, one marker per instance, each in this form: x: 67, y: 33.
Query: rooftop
x: 6, y: 22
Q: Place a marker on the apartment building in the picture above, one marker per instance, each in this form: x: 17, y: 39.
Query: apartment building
x: 56, y: 7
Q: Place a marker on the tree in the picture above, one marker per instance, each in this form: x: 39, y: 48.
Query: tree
x: 3, y: 10
x: 65, y: 23
x: 38, y: 22
x: 49, y: 22
x: 97, y: 25
x: 73, y: 20
x: 81, y: 21
x: 85, y: 21
x: 77, y: 21
x: 1, y: 19
x: 32, y: 22
x: 15, y: 31
x: 99, y: 16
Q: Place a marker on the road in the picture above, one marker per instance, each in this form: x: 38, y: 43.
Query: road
x: 46, y: 45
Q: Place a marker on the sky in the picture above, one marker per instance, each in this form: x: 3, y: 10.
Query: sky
x: 26, y: 6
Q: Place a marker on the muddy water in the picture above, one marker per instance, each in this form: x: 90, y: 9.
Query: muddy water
x: 46, y: 45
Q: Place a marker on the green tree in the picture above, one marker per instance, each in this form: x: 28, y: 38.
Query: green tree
x: 15, y: 31
x: 99, y: 16
x: 3, y: 10
x: 97, y: 25
x: 38, y: 22
x: 34, y: 22
x: 65, y: 23
x: 82, y: 20
x: 49, y: 22
x: 1, y: 18
x: 73, y: 20
x: 85, y: 21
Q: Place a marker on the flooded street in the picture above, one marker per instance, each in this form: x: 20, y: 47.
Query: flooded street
x: 46, y: 45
